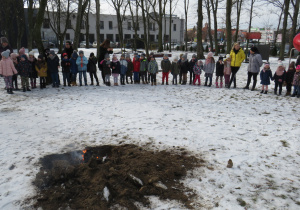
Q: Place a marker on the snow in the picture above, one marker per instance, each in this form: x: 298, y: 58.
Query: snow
x: 260, y: 133
x: 106, y: 193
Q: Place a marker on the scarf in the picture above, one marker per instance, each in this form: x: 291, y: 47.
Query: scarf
x: 115, y: 60
x: 81, y: 63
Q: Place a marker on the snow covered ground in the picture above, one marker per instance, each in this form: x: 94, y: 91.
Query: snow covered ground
x: 260, y: 133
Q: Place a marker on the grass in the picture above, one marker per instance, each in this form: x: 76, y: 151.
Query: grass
x: 284, y: 143
x: 241, y: 202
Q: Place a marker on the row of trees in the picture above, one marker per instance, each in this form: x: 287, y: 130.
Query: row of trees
x: 141, y: 11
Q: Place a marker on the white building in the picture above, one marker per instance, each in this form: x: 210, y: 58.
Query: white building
x: 109, y: 29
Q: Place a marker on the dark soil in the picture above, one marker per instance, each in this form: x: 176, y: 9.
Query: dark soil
x: 129, y: 173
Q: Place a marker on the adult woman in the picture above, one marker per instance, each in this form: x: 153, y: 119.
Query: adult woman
x: 104, y: 49
x: 237, y: 55
x: 255, y: 62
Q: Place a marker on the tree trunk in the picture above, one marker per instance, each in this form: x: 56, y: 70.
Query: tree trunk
x: 87, y: 28
x: 250, y: 24
x: 30, y: 25
x: 170, y: 28
x: 38, y: 26
x: 238, y: 12
x: 20, y: 22
x: 160, y: 46
x: 228, y: 25
x: 199, y: 31
x: 98, y: 26
x: 286, y: 12
x: 78, y: 26
x: 145, y: 28
x: 186, y: 8
x: 209, y: 25
x: 215, y: 9
x: 294, y: 24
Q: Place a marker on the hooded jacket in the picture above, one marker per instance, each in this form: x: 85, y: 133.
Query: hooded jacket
x: 237, y: 57
x: 255, y: 62
x: 7, y: 67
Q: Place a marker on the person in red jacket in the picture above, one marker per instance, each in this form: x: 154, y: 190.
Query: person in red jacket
x: 136, y: 69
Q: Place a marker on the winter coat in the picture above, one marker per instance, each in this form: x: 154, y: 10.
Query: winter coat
x: 175, y: 68
x: 136, y: 65
x: 91, y: 66
x: 219, y: 69
x: 255, y: 62
x: 144, y: 65
x: 74, y: 67
x: 265, y: 76
x: 197, y: 69
x: 66, y: 65
x: 102, y: 52
x: 237, y: 57
x: 184, y: 66
x: 41, y: 69
x: 7, y: 67
x: 33, y: 72
x: 296, y: 80
x: 53, y: 64
x: 227, y: 68
x: 209, y: 68
x: 69, y: 52
x: 123, y: 64
x: 116, y: 67
x: 278, y: 77
x: 82, y: 67
x: 165, y: 65
x: 192, y: 63
x: 129, y: 68
x: 289, y: 77
x: 153, y: 67
x: 106, y: 67
x: 24, y: 68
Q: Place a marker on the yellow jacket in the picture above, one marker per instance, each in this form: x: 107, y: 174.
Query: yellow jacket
x: 42, y: 72
x: 237, y: 58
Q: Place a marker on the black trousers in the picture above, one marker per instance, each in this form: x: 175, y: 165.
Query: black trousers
x: 250, y: 75
x: 288, y: 87
x: 234, y: 70
x: 153, y: 77
x: 92, y: 75
x: 278, y: 84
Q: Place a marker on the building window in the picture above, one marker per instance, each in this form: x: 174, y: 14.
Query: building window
x: 110, y: 25
x: 138, y: 26
x: 153, y: 26
x: 91, y: 38
x: 142, y: 36
x: 67, y: 36
x: 117, y: 38
x: 127, y: 36
x: 101, y: 24
x: 110, y: 37
x: 69, y: 24
x: 129, y: 26
x: 101, y: 38
x: 151, y: 38
x: 46, y: 23
x: 174, y: 27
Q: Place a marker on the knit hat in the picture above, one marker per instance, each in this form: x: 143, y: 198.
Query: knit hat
x: 127, y: 55
x: 199, y: 62
x: 22, y: 51
x: 31, y: 53
x: 52, y: 52
x: 267, y: 64
x: 194, y: 56
x: 5, y: 54
x: 137, y: 57
x: 13, y: 55
x: 143, y: 55
x: 280, y: 63
x: 220, y: 58
x: 298, y: 67
x: 41, y: 57
x: 135, y: 53
x: 65, y: 54
x: 106, y: 55
x: 254, y: 49
x: 24, y: 56
x: 175, y: 58
x: 4, y: 40
x: 75, y: 55
x: 227, y: 56
x: 210, y: 54
x: 166, y: 55
x: 184, y: 56
x: 81, y: 52
x: 123, y: 55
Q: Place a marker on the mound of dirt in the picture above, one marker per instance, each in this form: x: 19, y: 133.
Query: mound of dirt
x: 113, y: 177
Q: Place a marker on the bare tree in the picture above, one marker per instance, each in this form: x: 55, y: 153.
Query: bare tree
x: 295, y: 4
x: 285, y: 19
x: 186, y: 9
x: 144, y: 7
x: 250, y: 23
x: 214, y: 7
x: 200, y: 54
x: 238, y: 12
x: 80, y: 11
x: 228, y: 25
x: 98, y: 26
x: 38, y: 25
x: 208, y: 8
x: 87, y: 28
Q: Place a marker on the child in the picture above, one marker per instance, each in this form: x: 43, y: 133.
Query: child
x: 106, y: 69
x: 14, y: 56
x: 82, y: 67
x: 175, y: 70
x: 92, y: 69
x: 7, y: 70
x: 74, y: 68
x: 33, y: 73
x: 129, y: 69
x: 179, y: 64
x: 143, y: 68
x: 24, y: 68
x: 166, y: 68
x: 66, y: 69
x: 197, y: 71
x: 192, y: 63
x: 123, y: 70
x: 289, y: 78
x: 296, y: 82
x: 136, y: 69
x: 219, y: 72
x: 41, y: 68
x: 184, y: 67
x: 153, y: 70
x: 279, y: 78
x: 209, y: 68
x: 115, y: 66
x: 52, y: 68
x: 265, y: 77
x: 227, y: 70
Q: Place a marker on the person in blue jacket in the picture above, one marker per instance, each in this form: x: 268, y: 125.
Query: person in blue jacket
x: 82, y: 67
x: 74, y: 68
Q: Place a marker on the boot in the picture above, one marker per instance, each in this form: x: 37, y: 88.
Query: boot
x: 221, y: 84
x: 209, y: 84
x: 167, y: 83
x: 34, y: 84
x: 154, y: 83
x: 266, y: 92
x: 262, y: 91
x: 28, y: 89
x: 275, y: 92
x: 92, y: 83
x: 151, y: 83
x: 288, y: 93
x: 11, y: 91
x: 7, y: 90
x: 253, y: 87
x: 246, y: 88
x: 41, y: 86
x: 293, y: 95
x: 217, y: 85
x: 205, y: 83
x: 97, y: 84
x: 279, y: 93
x: 31, y: 84
x: 162, y: 83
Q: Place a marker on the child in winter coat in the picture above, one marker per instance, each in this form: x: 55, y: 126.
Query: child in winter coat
x: 197, y: 71
x: 33, y: 73
x: 279, y: 78
x: 92, y: 69
x: 74, y: 68
x: 166, y: 68
x: 192, y: 63
x: 296, y: 82
x: 136, y: 69
x: 7, y: 70
x: 184, y: 67
x: 219, y: 72
x: 175, y: 70
x: 209, y: 68
x: 24, y: 68
x: 129, y: 69
x: 153, y: 70
x: 13, y: 57
x: 265, y: 77
x: 289, y: 78
x: 143, y: 69
x: 116, y: 68
x: 52, y: 68
x: 41, y: 68
x: 123, y: 69
x: 66, y: 69
x: 227, y: 70
x: 106, y: 65
x: 82, y: 67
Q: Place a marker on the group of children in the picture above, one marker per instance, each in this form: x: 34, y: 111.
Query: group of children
x: 140, y: 68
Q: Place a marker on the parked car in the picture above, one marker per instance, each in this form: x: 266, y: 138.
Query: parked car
x: 83, y: 44
x: 128, y: 45
x: 48, y: 44
x: 112, y: 44
x: 95, y: 44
